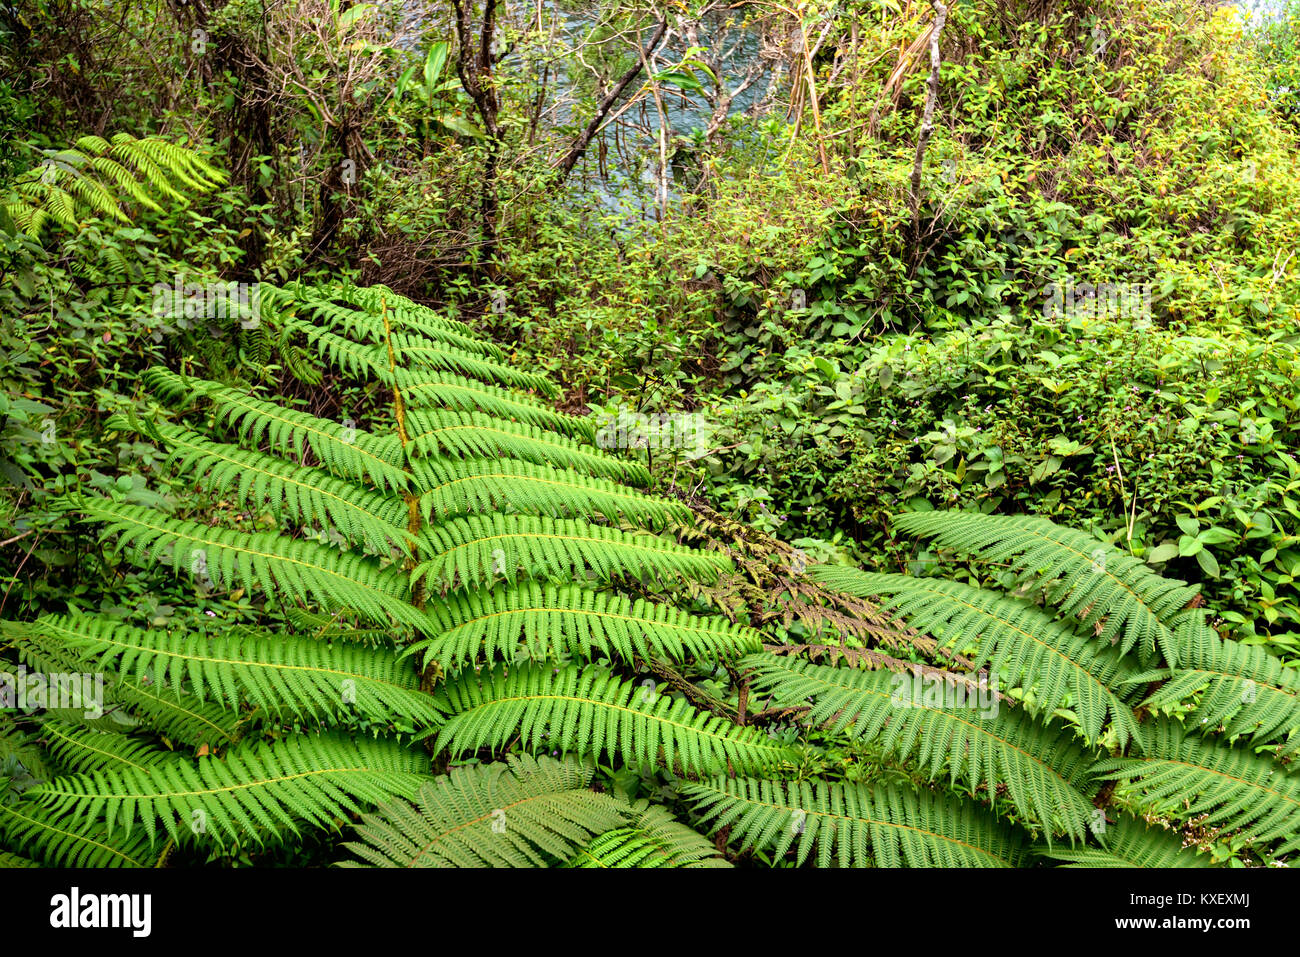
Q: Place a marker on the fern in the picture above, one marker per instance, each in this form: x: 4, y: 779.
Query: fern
x: 552, y: 621
x: 1116, y: 594
x: 97, y: 177
x: 302, y: 571
x: 238, y: 797
x: 1240, y: 687
x: 59, y: 842
x: 854, y: 825
x: 1188, y: 776
x: 1014, y: 639
x: 520, y: 813
x: 1043, y: 771
x: 655, y: 840
x: 304, y: 495
x: 472, y: 551
x: 1130, y: 843
x: 288, y: 677
x: 590, y: 711
x: 81, y: 750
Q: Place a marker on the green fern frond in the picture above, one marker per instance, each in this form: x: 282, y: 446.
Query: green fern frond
x: 260, y: 562
x: 292, y: 492
x: 348, y: 452
x: 1189, y: 776
x: 525, y: 812
x: 478, y: 549
x: 1114, y: 593
x: 854, y: 825
x: 590, y: 711
x: 1130, y: 843
x: 462, y: 435
x: 416, y: 351
x: 1014, y: 639
x: 1044, y: 772
x: 127, y: 701
x: 353, y: 320
x: 656, y: 839
x: 252, y: 789
x: 455, y: 392
x: 58, y: 842
x: 82, y: 750
x: 14, y: 861
x: 98, y: 177
x: 551, y: 621
x: 453, y: 487
x: 282, y: 675
x: 401, y: 310
x: 1240, y: 687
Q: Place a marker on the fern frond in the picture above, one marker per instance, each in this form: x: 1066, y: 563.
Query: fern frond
x: 353, y: 320
x: 473, y: 551
x: 415, y: 351
x: 1130, y: 843
x: 260, y: 562
x: 590, y: 711
x: 453, y: 487
x: 253, y: 788
x: 1045, y: 773
x: 1190, y: 776
x: 444, y: 390
x: 127, y: 702
x: 462, y: 435
x: 282, y: 675
x: 348, y: 452
x: 551, y: 621
x: 292, y: 492
x: 1014, y: 639
x: 1114, y: 593
x: 854, y: 825
x: 58, y: 842
x: 1240, y: 687
x: 526, y: 812
x: 82, y: 750
x: 656, y: 839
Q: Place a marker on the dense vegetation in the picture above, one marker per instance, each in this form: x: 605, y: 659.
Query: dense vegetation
x: 686, y: 435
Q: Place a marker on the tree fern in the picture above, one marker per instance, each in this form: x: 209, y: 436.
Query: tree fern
x: 471, y: 551
x: 524, y: 812
x: 288, y: 677
x: 1045, y: 774
x: 655, y: 840
x: 1240, y: 687
x: 455, y: 434
x: 252, y: 789
x: 292, y: 492
x: 590, y: 711
x: 1014, y: 639
x: 454, y: 487
x: 1115, y: 593
x: 348, y: 452
x: 551, y: 621
x: 300, y: 570
x: 82, y: 750
x: 1190, y: 776
x: 1129, y: 843
x: 97, y: 177
x: 59, y: 842
x: 854, y: 825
